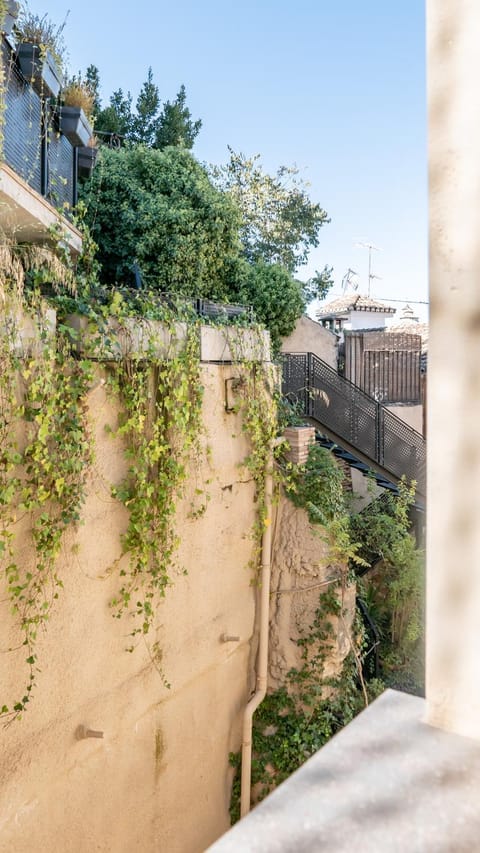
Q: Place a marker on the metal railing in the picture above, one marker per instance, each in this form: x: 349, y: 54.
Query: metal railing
x: 350, y: 414
x: 42, y: 157
x: 145, y: 299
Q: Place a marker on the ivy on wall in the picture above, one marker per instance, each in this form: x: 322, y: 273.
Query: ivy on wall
x: 47, y: 449
x: 161, y: 424
x: 300, y: 717
x: 45, y: 455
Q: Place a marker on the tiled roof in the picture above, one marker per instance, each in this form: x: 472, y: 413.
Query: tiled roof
x: 353, y: 302
x: 409, y: 327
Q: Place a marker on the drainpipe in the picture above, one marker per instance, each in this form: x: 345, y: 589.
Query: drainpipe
x: 261, y: 688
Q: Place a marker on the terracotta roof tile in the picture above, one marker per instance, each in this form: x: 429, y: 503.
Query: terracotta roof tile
x: 353, y: 302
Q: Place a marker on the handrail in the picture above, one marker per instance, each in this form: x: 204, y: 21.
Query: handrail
x: 354, y: 416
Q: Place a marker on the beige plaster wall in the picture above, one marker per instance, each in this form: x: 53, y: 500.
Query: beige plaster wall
x: 159, y: 778
x: 301, y: 571
x: 309, y: 336
x: 412, y: 415
x: 364, y: 490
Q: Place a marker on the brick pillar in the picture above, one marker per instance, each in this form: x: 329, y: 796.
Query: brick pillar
x: 299, y: 439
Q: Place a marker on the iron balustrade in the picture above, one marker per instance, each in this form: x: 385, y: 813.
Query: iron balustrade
x: 350, y: 414
x: 32, y: 146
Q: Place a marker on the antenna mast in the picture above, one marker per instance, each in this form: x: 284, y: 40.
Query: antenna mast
x: 370, y: 248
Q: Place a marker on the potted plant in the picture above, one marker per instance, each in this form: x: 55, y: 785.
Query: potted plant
x: 40, y: 49
x: 12, y: 9
x: 76, y: 108
x: 87, y: 157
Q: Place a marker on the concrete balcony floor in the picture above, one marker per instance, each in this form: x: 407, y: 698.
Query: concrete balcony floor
x: 25, y: 216
x: 387, y: 782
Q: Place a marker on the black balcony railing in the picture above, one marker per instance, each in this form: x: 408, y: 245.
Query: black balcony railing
x: 32, y: 145
x: 349, y: 414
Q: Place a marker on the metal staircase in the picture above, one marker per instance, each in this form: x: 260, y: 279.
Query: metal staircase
x: 360, y: 430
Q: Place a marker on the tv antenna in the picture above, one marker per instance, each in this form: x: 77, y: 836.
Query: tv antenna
x: 350, y: 279
x: 371, y: 248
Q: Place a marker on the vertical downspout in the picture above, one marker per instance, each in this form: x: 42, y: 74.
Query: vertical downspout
x: 261, y: 688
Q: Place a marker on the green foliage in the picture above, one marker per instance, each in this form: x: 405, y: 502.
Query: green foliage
x: 42, y: 31
x: 318, y: 486
x: 175, y: 126
x: 44, y: 480
x: 256, y: 388
x: 275, y: 296
x: 161, y: 425
x: 145, y: 122
x: 159, y: 208
x: 116, y: 118
x: 279, y: 223
x: 293, y: 722
x: 383, y: 528
x: 92, y: 78
x: 318, y: 285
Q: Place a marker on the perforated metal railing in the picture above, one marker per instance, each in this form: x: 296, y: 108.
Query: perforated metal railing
x: 347, y: 412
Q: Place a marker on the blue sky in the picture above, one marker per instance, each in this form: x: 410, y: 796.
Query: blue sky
x: 338, y: 88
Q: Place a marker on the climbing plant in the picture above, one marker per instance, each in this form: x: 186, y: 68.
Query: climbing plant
x: 294, y: 721
x: 160, y: 421
x: 394, y: 596
x: 44, y: 460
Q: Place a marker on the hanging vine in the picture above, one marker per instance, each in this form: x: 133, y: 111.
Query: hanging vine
x: 161, y: 423
x: 45, y: 456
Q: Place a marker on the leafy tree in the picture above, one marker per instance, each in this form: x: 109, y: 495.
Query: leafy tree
x: 318, y: 285
x: 145, y: 124
x: 275, y: 295
x: 279, y: 222
x: 175, y: 125
x: 160, y: 209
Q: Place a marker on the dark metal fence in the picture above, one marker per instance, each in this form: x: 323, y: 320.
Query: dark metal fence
x: 32, y: 147
x: 347, y: 412
x: 384, y: 364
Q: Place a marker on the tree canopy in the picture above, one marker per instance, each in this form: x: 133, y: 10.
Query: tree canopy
x: 232, y: 233
x: 160, y: 210
x: 175, y: 124
x: 146, y: 123
x: 276, y: 298
x: 280, y: 223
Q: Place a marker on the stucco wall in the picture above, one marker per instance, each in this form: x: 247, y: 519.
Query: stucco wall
x: 158, y: 780
x: 301, y: 571
x: 366, y: 320
x: 412, y: 415
x: 309, y: 336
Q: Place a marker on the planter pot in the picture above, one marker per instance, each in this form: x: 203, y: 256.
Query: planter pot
x: 40, y: 69
x: 87, y: 157
x: 74, y: 125
x: 11, y: 15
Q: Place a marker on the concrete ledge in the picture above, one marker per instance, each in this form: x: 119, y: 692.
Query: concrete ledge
x: 26, y: 216
x: 387, y: 782
x: 26, y: 334
x: 227, y: 344
x: 136, y: 336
